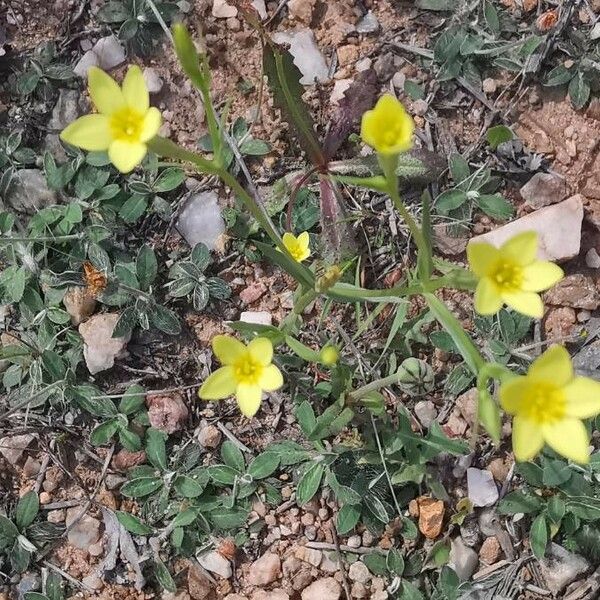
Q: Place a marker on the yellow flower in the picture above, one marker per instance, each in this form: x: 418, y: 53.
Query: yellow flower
x: 549, y: 403
x: 246, y: 373
x: 388, y: 128
x: 124, y: 122
x: 329, y: 355
x: 512, y: 275
x: 298, y: 247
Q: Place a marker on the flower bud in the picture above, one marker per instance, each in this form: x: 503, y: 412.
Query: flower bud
x: 329, y: 355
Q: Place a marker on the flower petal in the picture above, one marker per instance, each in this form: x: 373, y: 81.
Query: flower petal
x: 91, y: 132
x: 527, y: 439
x: 104, y: 91
x: 512, y: 393
x: 527, y: 303
x: 541, y: 275
x: 583, y: 398
x: 289, y: 241
x: 134, y: 89
x: 522, y: 248
x: 261, y: 350
x: 388, y: 128
x: 481, y: 257
x: 220, y: 384
x: 248, y: 398
x: 151, y: 124
x: 569, y: 438
x: 228, y: 349
x: 487, y: 297
x: 553, y: 366
x: 126, y: 155
x: 271, y: 379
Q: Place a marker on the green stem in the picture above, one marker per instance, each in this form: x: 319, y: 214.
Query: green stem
x: 164, y: 147
x: 58, y: 238
x: 374, y: 386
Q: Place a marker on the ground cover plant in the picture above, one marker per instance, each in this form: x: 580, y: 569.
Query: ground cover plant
x: 241, y: 361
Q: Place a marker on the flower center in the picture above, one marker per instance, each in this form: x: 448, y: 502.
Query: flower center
x: 544, y: 403
x: 247, y: 370
x: 508, y: 276
x: 295, y: 250
x: 126, y: 124
x: 391, y: 136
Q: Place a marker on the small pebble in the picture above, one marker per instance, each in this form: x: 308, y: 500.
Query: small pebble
x: 354, y: 541
x: 45, y: 498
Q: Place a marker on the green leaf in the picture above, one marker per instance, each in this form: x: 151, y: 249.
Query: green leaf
x: 498, y: 135
x: 132, y: 400
x: 290, y: 453
x: 437, y: 5
x: 186, y: 517
x: 555, y: 473
x: 130, y: 440
x: 146, y: 266
x: 223, y: 474
x: 20, y: 557
x: 519, y: 502
x: 414, y: 90
x: 409, y: 591
x: 459, y: 168
x: 104, y: 432
x: 133, y: 208
x: 133, y: 524
x: 306, y: 417
x: 252, y: 147
x: 166, y: 320
x: 298, y: 271
x: 376, y: 563
x: 54, y: 586
x: 113, y: 11
x: 538, y: 536
x: 304, y: 352
x: 91, y: 400
x: 27, y: 509
x: 559, y: 76
x: 141, y: 486
x: 34, y: 596
x: 156, y: 449
x: 450, y: 200
x: 169, y: 179
x: 232, y: 456
x: 309, y: 483
x: 163, y: 576
x: 347, y: 518
x: 189, y: 487
x: 579, y: 90
x: 395, y: 562
x: 284, y: 80
x: 263, y: 465
x: 8, y: 532
x: 14, y: 283
x: 556, y: 509
x: 491, y: 17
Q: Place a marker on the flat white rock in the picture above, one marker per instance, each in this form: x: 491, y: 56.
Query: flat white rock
x: 307, y: 56
x: 482, y: 490
x: 201, y: 220
x: 222, y: 10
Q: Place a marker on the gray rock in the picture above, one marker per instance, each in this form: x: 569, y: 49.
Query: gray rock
x: 265, y: 570
x: 558, y: 228
x: 462, y: 559
x: 588, y: 358
x: 65, y: 111
x: 216, y: 563
x: 222, y: 10
x: 368, y: 24
x: 592, y: 259
x: 384, y: 67
x: 470, y: 533
x: 560, y: 567
x: 153, y: 81
x: 359, y: 572
x: 544, y: 189
x: 323, y: 589
x: 482, y: 490
x: 89, y: 59
x: 29, y: 192
x: 86, y: 530
x: 576, y: 291
x: 13, y: 447
x: 260, y: 8
x: 99, y: 347
x: 30, y: 582
x: 307, y: 55
x: 201, y: 220
x: 110, y: 52
x: 426, y: 412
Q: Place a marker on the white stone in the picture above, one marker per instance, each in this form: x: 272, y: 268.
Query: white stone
x: 153, y: 81
x: 558, y: 227
x: 398, y: 80
x: 482, y: 490
x: 201, y: 220
x: 89, y: 59
x: 462, y: 559
x: 339, y: 90
x: 12, y: 447
x: 110, y: 52
x: 307, y: 56
x: 216, y: 563
x: 99, y: 347
x: 86, y: 530
x: 258, y: 317
x: 323, y: 589
x: 222, y: 10
x: 560, y: 567
x: 364, y: 64
x: 359, y: 572
x: 261, y: 8
x: 592, y: 260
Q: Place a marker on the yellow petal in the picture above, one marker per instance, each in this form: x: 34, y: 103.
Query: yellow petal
x: 553, y: 366
x: 527, y: 439
x: 522, y: 248
x: 569, y: 438
x: 304, y: 239
x: 271, y: 379
x: 227, y: 349
x: 248, y: 398
x: 261, y: 350
x: 388, y: 128
x: 289, y: 240
x: 135, y: 90
x: 482, y: 257
x: 219, y: 385
x: 126, y: 155
x: 512, y: 393
x: 104, y: 91
x: 487, y: 297
x: 541, y: 275
x: 527, y: 303
x: 151, y: 124
x: 583, y: 398
x: 91, y: 132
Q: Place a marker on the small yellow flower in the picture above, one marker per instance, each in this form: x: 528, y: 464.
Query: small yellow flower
x: 246, y: 373
x: 549, y: 403
x: 329, y: 355
x: 388, y: 128
x: 512, y: 275
x: 298, y: 247
x: 124, y: 122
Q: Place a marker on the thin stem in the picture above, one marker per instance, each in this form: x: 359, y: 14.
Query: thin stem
x: 26, y: 401
x: 58, y: 238
x: 165, y: 147
x: 374, y: 386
